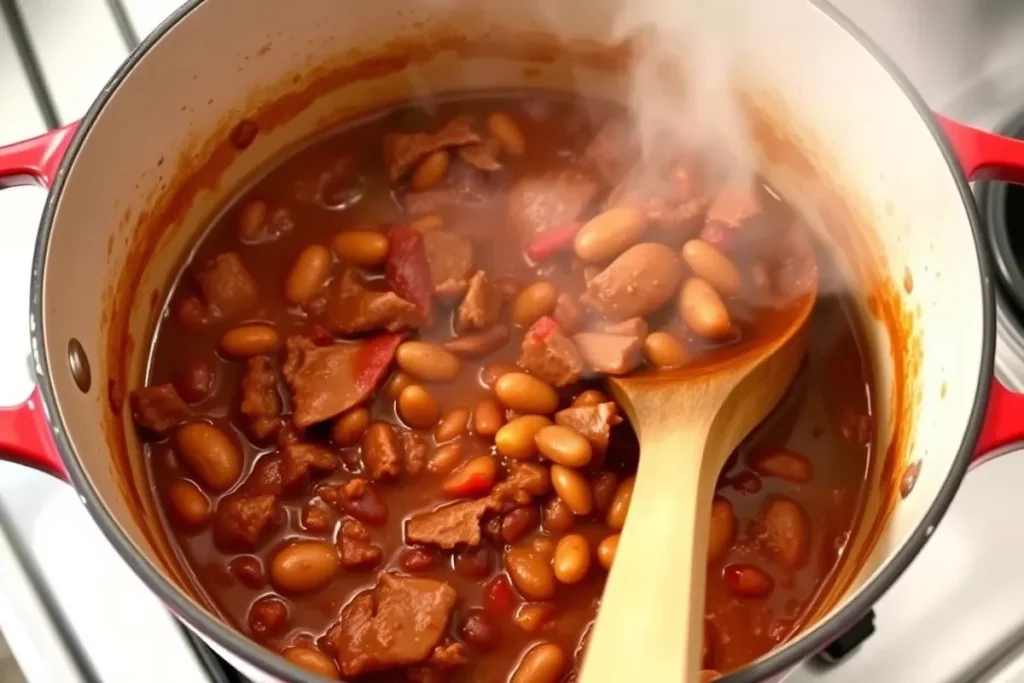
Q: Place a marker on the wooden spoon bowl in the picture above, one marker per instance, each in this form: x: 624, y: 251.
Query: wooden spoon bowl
x: 650, y: 623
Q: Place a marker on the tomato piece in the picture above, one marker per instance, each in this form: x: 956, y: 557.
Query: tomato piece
x: 408, y: 271
x: 553, y: 241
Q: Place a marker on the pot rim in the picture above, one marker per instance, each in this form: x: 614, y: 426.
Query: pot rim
x: 239, y: 645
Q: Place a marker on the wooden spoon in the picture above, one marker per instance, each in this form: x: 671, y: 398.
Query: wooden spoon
x: 651, y: 620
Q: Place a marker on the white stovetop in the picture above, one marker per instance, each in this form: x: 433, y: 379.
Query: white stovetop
x: 956, y: 611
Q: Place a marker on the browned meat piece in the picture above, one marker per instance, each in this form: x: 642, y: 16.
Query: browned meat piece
x: 228, y: 288
x: 382, y: 452
x: 355, y: 309
x: 483, y: 156
x: 613, y: 151
x: 450, y: 525
x: 550, y: 355
x: 612, y: 354
x: 733, y: 205
x: 328, y: 380
x: 159, y: 408
x: 463, y: 186
x: 548, y: 200
x: 358, y: 499
x: 448, y: 655
x: 479, y: 344
x: 402, y: 151
x: 593, y: 422
x: 260, y: 402
x: 672, y: 196
x: 631, y: 327
x: 480, y: 307
x: 567, y: 314
x: 641, y: 280
x: 241, y: 520
x: 526, y: 481
x: 302, y: 458
x: 427, y: 674
x: 450, y: 257
x: 395, y: 624
x: 416, y: 452
x: 356, y: 550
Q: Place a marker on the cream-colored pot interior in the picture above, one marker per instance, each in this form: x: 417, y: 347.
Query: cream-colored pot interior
x: 835, y: 134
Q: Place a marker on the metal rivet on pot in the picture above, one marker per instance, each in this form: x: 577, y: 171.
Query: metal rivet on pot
x: 79, y: 364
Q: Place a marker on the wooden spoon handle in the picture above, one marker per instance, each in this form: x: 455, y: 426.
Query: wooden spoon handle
x: 651, y: 620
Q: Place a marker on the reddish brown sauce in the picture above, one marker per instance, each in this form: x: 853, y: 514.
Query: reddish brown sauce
x: 788, y: 501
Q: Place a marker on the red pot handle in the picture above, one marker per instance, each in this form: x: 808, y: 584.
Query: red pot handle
x: 984, y: 155
x: 24, y: 433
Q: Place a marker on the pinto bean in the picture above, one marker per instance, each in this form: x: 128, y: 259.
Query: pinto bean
x: 507, y: 132
x: 516, y: 439
x: 637, y: 283
x: 723, y: 529
x: 194, y: 379
x: 606, y: 550
x: 348, y: 428
x: 191, y: 507
x: 664, y: 350
x: 573, y: 489
x: 431, y: 170
x: 526, y: 394
x: 247, y: 341
x: 616, y: 517
x: 542, y: 663
x: 533, y: 303
x: 452, y: 425
x: 364, y: 248
x: 213, y: 456
x: 782, y: 464
x: 786, y: 530
x: 427, y: 362
x: 492, y: 372
x: 418, y: 408
x: 308, y: 274
x: 608, y: 234
x: 747, y: 581
x: 564, y: 446
x: 557, y: 516
x: 445, y: 458
x: 311, y: 659
x: 572, y: 559
x: 708, y: 262
x: 304, y: 566
x: 703, y: 310
x: 488, y: 417
x: 530, y: 573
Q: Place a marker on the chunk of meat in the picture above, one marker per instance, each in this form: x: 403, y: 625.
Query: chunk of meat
x: 463, y: 186
x: 382, y: 452
x: 551, y: 199
x: 450, y: 525
x: 300, y: 459
x: 593, y: 422
x: 327, y: 380
x: 408, y: 269
x: 641, y: 280
x: 550, y: 355
x: 358, y: 499
x: 612, y: 354
x: 261, y: 404
x: 567, y: 314
x: 526, y: 481
x: 398, y: 623
x: 672, y: 196
x: 483, y: 156
x: 242, y: 520
x: 356, y: 550
x: 733, y: 205
x: 228, y: 289
x: 402, y: 151
x: 479, y: 344
x: 631, y: 327
x: 159, y: 408
x: 352, y: 308
x: 613, y: 151
x: 448, y: 655
x: 415, y: 450
x: 480, y: 307
x: 450, y: 259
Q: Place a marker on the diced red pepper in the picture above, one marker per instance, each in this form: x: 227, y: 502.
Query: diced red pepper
x: 372, y: 360
x: 408, y: 271
x: 498, y: 597
x: 553, y: 241
x: 472, y: 486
